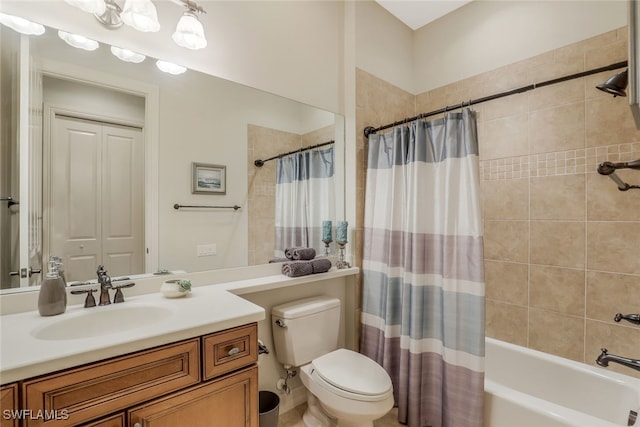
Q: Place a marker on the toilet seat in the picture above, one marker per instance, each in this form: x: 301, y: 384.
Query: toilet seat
x: 351, y: 375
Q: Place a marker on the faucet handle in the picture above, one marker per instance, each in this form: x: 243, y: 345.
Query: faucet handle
x: 119, y: 296
x: 632, y: 318
x: 90, y: 301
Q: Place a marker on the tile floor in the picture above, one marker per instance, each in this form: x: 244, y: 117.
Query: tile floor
x: 293, y: 418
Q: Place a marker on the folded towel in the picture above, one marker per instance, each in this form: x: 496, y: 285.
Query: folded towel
x: 271, y: 261
x: 300, y: 253
x: 304, y: 268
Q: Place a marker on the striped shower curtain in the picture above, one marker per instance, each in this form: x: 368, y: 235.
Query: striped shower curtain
x: 423, y: 291
x: 305, y: 196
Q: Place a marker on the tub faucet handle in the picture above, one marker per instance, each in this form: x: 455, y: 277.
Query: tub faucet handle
x: 632, y: 318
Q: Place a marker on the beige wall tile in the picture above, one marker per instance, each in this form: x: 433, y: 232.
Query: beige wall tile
x: 606, y: 54
x: 506, y: 199
x: 554, y: 95
x: 609, y: 122
x: 505, y: 137
x: 557, y: 333
x: 557, y: 129
x: 613, y: 246
x: 505, y: 107
x: 506, y: 282
x: 557, y: 243
x: 557, y: 289
x: 506, y: 322
x: 611, y: 293
x: 558, y: 197
x: 606, y: 203
x: 617, y: 339
x: 506, y: 241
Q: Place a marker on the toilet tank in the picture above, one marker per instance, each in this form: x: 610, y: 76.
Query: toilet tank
x: 305, y: 329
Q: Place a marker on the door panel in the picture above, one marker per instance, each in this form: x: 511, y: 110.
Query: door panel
x: 96, y: 197
x: 75, y: 196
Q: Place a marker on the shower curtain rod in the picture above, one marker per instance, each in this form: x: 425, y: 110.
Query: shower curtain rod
x: 370, y: 129
x: 259, y: 163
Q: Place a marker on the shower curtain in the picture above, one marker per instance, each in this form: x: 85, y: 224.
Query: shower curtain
x: 305, y: 196
x: 423, y: 290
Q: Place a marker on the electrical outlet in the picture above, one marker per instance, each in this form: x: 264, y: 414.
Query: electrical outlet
x: 207, y: 250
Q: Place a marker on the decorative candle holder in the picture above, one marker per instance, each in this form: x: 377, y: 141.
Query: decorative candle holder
x: 341, y: 261
x: 326, y: 246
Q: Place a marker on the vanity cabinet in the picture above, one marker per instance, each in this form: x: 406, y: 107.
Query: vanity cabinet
x: 192, y: 382
x: 9, y: 402
x: 226, y: 402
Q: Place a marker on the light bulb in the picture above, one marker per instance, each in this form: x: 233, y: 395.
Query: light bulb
x: 189, y: 32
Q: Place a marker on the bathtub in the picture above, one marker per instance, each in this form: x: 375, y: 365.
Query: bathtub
x: 528, y: 388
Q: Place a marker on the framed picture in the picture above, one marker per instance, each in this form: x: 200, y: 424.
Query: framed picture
x: 208, y: 179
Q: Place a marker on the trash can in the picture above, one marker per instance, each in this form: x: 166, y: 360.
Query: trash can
x: 268, y: 406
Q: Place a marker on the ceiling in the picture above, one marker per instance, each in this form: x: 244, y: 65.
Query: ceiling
x: 417, y: 13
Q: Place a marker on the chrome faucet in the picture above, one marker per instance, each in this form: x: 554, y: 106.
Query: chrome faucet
x: 605, y: 358
x: 105, y: 285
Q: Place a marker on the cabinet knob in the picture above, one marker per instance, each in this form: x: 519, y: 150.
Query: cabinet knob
x: 137, y: 425
x: 234, y: 350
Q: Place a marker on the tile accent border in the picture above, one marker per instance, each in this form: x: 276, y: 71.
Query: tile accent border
x: 569, y: 162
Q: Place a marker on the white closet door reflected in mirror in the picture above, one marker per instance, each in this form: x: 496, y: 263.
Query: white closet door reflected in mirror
x: 96, y: 207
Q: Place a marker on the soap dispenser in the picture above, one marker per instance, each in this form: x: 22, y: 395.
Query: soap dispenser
x: 52, y: 299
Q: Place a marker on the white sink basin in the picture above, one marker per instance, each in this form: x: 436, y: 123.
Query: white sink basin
x: 99, y: 321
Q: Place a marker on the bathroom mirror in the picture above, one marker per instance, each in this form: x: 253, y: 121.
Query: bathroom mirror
x: 95, y: 98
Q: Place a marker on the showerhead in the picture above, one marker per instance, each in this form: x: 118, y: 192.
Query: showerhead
x: 615, y: 85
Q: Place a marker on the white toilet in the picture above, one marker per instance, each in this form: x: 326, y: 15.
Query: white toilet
x: 350, y: 387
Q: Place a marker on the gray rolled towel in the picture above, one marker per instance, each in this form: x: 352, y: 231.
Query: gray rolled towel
x: 300, y: 253
x: 304, y: 268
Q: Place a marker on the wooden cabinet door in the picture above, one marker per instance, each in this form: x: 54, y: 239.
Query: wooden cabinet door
x: 231, y: 401
x: 9, y: 406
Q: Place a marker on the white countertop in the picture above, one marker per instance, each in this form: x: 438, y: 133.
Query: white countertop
x: 209, y: 308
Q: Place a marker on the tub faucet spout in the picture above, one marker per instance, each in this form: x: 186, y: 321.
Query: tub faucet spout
x: 605, y: 358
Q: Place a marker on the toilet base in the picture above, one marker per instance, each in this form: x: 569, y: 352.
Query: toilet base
x: 315, y: 416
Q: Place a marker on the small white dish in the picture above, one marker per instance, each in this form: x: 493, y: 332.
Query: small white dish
x: 175, y: 288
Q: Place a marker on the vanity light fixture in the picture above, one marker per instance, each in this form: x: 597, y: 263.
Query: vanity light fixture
x: 189, y: 31
x: 127, y: 55
x: 169, y: 67
x: 78, y: 41
x: 143, y: 16
x: 21, y: 25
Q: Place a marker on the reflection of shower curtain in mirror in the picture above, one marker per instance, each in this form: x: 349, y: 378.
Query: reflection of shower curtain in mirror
x: 305, y: 196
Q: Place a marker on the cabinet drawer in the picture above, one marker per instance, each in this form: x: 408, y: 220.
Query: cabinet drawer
x: 229, y: 401
x: 226, y: 351
x: 89, y: 392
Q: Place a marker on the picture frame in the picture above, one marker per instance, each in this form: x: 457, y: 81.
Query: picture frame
x: 208, y: 179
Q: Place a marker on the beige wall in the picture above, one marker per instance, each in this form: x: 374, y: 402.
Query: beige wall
x: 561, y: 242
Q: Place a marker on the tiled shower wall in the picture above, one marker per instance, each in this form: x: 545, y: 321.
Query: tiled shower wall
x: 562, y: 244
x: 264, y: 143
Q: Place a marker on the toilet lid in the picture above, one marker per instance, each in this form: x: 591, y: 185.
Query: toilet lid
x: 353, y: 372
